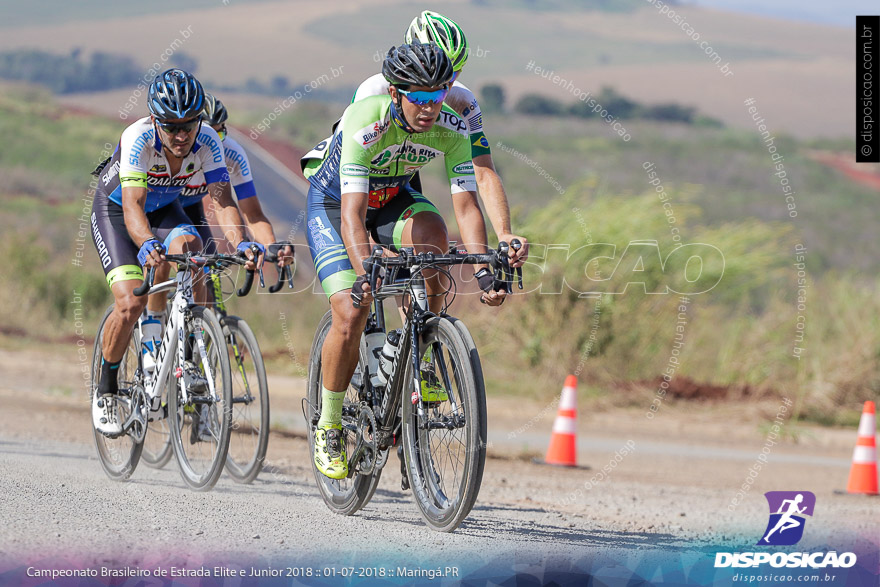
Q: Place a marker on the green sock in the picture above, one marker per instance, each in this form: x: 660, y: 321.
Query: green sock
x: 331, y: 407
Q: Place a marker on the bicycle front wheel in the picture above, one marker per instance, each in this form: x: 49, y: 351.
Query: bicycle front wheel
x: 119, y: 456
x: 200, y: 422
x: 157, y: 443
x: 250, y: 402
x: 445, y: 447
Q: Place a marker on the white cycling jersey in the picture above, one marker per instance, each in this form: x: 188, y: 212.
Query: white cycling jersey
x: 140, y: 161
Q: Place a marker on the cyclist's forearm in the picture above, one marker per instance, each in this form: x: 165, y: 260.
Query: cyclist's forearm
x: 256, y: 220
x: 470, y: 222
x: 354, y: 231
x: 493, y: 194
x: 133, y: 200
x: 228, y: 215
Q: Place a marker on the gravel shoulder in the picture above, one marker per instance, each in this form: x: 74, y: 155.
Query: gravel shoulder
x: 671, y: 492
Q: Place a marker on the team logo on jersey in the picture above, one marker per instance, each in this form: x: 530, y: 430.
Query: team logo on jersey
x: 451, y: 121
x: 370, y: 134
x: 482, y: 142
x: 464, y: 168
x: 353, y: 170
x: 157, y: 168
x: 190, y: 167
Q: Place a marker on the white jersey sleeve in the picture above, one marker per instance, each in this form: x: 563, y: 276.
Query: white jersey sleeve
x: 239, y: 169
x: 375, y: 85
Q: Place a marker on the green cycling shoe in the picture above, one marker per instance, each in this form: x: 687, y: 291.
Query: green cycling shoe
x: 431, y: 388
x: 330, y: 452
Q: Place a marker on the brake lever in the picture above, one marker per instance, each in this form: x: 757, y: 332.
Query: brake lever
x: 516, y: 244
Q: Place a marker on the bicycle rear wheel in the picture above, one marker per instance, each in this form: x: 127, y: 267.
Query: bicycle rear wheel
x: 343, y: 496
x: 445, y: 449
x: 249, y: 438
x: 119, y: 456
x: 200, y: 425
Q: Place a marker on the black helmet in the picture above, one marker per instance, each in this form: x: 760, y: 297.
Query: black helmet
x: 175, y: 94
x: 417, y: 64
x: 215, y: 112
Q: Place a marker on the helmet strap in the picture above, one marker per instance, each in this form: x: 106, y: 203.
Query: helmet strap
x: 398, y: 117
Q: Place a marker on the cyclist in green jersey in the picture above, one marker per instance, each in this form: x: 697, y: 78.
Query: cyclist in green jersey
x: 362, y: 189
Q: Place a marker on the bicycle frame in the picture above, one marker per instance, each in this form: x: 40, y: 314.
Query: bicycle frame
x: 408, y: 349
x: 172, y: 339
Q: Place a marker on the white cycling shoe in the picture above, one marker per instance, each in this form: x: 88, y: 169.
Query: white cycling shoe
x: 105, y: 415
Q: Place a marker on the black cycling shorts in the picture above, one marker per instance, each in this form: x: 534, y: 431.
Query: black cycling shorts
x: 117, y: 252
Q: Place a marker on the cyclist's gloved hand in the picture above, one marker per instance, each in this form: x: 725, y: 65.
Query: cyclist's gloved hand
x: 357, y: 290
x: 495, y: 292
x: 281, y: 253
x: 148, y: 246
x: 245, y: 246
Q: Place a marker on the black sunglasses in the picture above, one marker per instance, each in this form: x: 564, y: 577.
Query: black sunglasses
x: 174, y: 128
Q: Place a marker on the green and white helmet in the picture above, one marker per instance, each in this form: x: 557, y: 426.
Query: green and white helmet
x: 432, y: 27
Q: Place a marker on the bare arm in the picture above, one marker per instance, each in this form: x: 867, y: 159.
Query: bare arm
x: 256, y: 220
x: 497, y: 208
x: 227, y: 214
x: 473, y: 233
x: 261, y: 228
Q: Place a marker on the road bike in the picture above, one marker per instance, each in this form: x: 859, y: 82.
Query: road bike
x: 190, y: 383
x: 443, y: 443
x: 249, y: 438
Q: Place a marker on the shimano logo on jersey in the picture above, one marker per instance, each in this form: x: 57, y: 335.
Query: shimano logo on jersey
x: 209, y: 142
x: 450, y: 120
x: 370, y: 134
x: 239, y: 159
x: 139, y: 144
x: 99, y: 243
x: 790, y: 560
x: 110, y: 173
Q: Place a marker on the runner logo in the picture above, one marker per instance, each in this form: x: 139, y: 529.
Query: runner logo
x: 785, y: 528
x: 787, y: 510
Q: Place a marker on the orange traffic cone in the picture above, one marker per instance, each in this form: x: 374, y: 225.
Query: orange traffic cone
x: 863, y: 475
x: 562, y: 450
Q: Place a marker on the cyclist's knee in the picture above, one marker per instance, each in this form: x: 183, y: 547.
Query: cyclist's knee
x: 186, y: 243
x: 429, y: 233
x: 128, y: 305
x: 347, y: 320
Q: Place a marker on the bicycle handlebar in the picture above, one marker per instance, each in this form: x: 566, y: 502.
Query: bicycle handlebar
x: 407, y: 258
x: 284, y: 273
x: 198, y: 260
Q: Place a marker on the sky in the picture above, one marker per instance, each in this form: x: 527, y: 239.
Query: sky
x: 833, y: 12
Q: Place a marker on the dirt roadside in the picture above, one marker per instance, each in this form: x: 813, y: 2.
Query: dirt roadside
x: 684, y: 469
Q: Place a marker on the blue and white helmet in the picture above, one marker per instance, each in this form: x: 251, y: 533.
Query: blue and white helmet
x: 175, y: 94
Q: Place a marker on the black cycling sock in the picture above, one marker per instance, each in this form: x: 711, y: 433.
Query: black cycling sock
x: 109, y: 371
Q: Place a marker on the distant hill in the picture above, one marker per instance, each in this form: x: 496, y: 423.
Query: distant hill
x: 790, y: 68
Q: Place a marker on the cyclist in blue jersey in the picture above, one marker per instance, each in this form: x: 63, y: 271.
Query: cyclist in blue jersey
x: 136, y: 215
x: 215, y: 115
